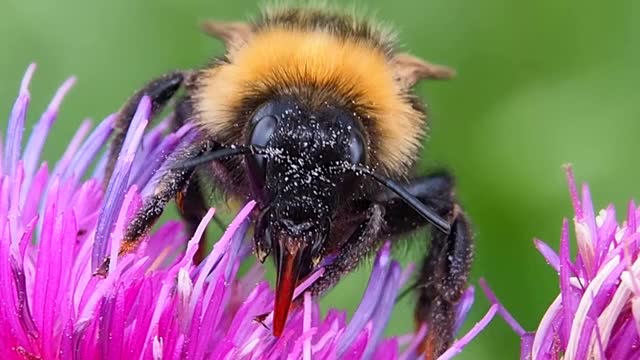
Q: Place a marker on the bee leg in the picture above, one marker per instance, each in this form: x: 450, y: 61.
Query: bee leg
x: 160, y: 90
x: 442, y: 281
x: 192, y: 207
x: 360, y: 244
x: 169, y: 186
x: 443, y: 277
x: 192, y: 203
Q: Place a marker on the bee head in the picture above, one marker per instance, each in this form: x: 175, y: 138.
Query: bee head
x: 300, y: 188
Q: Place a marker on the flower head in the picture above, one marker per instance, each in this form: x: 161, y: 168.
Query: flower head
x: 597, y: 313
x: 57, y: 226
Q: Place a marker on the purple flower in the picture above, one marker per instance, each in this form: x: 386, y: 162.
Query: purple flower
x: 597, y: 313
x: 57, y: 225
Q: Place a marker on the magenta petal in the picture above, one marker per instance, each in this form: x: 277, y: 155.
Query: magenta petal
x: 40, y: 131
x: 118, y: 182
x: 356, y: 349
x: 501, y: 309
x: 1, y: 151
x: 573, y: 191
x: 384, y: 308
x: 459, y: 345
x: 526, y: 345
x: 23, y: 307
x: 89, y: 149
x: 625, y: 341
x: 568, y: 305
x: 548, y: 253
x: 34, y: 193
x: 463, y: 307
x: 64, y: 164
x: 631, y: 219
x: 370, y: 298
x: 15, y: 127
x: 606, y: 233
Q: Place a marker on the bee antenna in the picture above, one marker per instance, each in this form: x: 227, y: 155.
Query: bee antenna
x: 219, y: 153
x: 424, y: 211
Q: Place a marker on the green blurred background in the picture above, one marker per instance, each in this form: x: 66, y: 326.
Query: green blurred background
x: 541, y: 83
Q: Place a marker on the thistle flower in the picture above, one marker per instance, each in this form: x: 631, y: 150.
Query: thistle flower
x: 56, y: 226
x: 597, y: 313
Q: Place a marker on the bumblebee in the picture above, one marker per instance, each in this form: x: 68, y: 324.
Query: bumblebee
x: 312, y: 114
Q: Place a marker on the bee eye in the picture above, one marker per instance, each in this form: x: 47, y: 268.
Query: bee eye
x: 262, y: 130
x: 357, y: 151
x: 260, y: 135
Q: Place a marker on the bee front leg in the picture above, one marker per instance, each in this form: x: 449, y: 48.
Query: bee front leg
x: 191, y: 201
x: 445, y: 270
x: 192, y: 206
x: 364, y: 240
x: 171, y: 183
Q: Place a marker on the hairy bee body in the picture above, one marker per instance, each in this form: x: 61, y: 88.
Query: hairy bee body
x: 311, y: 113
